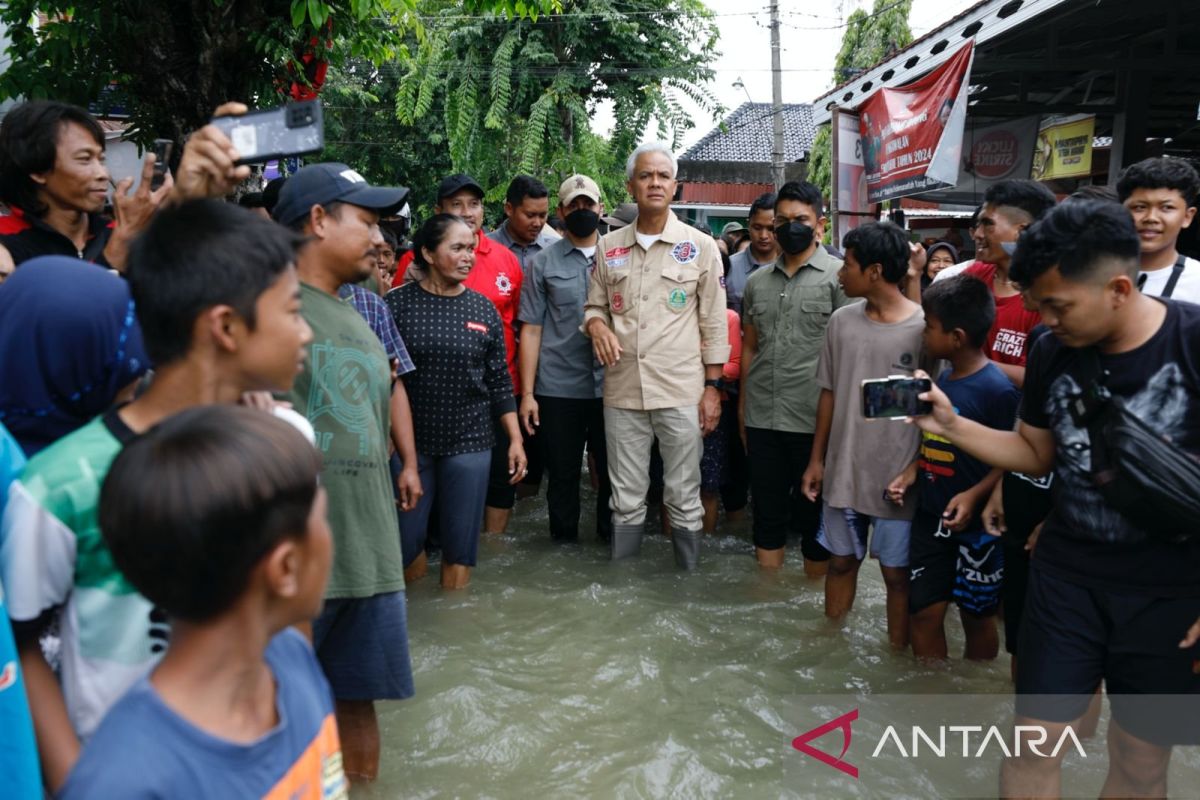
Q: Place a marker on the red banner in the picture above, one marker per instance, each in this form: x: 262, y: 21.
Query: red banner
x: 912, y: 135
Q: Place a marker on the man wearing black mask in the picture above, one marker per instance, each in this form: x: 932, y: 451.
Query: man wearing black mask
x: 785, y: 309
x: 561, y: 380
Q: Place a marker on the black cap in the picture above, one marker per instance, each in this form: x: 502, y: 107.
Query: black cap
x: 321, y: 184
x: 270, y: 194
x: 455, y: 184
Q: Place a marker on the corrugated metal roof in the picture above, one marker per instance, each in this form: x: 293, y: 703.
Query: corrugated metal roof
x: 747, y: 133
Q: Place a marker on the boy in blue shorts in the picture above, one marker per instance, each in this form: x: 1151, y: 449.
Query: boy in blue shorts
x: 237, y: 707
x: 868, y: 340
x: 951, y: 557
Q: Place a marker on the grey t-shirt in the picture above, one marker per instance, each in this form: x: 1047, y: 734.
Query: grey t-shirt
x: 741, y: 266
x: 865, y: 455
x: 555, y: 289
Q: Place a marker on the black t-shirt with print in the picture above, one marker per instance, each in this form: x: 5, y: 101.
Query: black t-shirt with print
x: 1084, y: 540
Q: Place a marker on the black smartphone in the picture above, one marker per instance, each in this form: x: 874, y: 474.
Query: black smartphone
x: 162, y: 149
x: 297, y: 129
x: 895, y: 397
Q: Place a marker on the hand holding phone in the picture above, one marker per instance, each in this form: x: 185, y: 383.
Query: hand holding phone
x: 895, y: 397
x: 162, y: 150
x: 206, y: 167
x: 295, y: 129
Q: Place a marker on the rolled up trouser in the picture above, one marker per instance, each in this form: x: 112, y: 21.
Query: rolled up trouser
x: 687, y: 547
x: 629, y: 434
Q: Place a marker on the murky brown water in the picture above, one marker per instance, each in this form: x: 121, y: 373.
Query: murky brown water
x: 560, y: 674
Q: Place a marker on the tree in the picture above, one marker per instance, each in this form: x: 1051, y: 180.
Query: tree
x: 361, y: 130
x: 869, y: 39
x: 169, y: 64
x: 519, y: 96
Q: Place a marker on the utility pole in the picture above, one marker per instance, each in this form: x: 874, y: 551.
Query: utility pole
x: 776, y: 99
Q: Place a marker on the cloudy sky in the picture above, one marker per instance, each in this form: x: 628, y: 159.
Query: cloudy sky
x: 810, y: 34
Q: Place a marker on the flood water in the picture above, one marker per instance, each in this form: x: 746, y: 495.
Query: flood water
x: 560, y: 674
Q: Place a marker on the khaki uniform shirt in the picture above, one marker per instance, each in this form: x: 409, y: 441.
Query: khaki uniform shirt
x: 790, y: 316
x: 666, y: 306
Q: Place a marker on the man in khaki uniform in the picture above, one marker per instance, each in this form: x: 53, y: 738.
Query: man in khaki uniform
x: 655, y: 312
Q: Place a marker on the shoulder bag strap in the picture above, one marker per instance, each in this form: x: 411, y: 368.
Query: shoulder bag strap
x: 1176, y: 271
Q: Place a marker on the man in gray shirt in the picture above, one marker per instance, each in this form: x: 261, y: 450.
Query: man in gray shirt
x: 562, y: 382
x: 762, y: 252
x: 524, y: 230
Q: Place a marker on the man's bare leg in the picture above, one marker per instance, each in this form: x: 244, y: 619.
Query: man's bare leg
x: 417, y: 569
x: 495, y: 520
x: 841, y: 584
x: 455, y: 576
x: 1136, y: 768
x: 770, y: 559
x: 928, y: 628
x: 1091, y: 720
x: 816, y: 569
x: 896, y: 581
x: 709, y: 501
x: 358, y: 729
x: 1030, y: 774
x: 983, y: 637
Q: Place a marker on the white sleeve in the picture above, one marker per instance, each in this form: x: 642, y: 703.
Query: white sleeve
x: 37, y: 556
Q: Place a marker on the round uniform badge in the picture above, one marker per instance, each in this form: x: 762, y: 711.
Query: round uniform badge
x: 677, y: 299
x: 504, y: 284
x: 618, y: 302
x: 685, y: 252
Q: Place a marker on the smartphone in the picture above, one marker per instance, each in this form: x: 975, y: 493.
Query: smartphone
x: 895, y: 397
x: 162, y: 149
x: 297, y: 129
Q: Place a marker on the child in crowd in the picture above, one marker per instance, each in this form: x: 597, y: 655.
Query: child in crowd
x: 951, y: 557
x: 854, y: 458
x: 1160, y: 194
x: 218, y: 302
x: 238, y: 706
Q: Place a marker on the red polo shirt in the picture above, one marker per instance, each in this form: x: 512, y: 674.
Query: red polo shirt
x: 497, y: 276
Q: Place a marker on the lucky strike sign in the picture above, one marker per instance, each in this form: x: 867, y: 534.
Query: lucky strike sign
x: 912, y: 135
x: 996, y: 154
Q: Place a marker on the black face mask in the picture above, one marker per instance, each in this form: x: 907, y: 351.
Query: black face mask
x: 582, y: 223
x: 794, y: 237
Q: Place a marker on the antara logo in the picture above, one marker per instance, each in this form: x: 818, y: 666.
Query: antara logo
x: 801, y: 743
x: 938, y: 742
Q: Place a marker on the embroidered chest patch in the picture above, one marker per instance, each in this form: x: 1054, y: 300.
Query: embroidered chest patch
x: 685, y: 252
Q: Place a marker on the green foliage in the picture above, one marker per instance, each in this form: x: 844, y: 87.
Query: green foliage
x: 518, y: 96
x: 169, y: 64
x: 869, y: 39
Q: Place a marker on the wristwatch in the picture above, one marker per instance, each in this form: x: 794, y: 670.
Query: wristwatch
x: 716, y: 383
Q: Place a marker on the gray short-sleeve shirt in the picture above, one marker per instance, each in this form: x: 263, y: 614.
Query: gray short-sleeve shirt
x: 741, y: 266
x: 865, y: 455
x: 556, y: 286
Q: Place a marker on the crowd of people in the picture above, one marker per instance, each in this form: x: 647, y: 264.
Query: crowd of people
x: 232, y: 433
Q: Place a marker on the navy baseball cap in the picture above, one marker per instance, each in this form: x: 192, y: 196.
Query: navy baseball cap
x: 321, y: 184
x: 456, y: 183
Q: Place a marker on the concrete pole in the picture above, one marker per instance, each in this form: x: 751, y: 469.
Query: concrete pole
x: 776, y: 99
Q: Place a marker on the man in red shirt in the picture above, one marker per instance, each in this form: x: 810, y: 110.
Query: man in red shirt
x: 1008, y: 208
x: 497, y: 276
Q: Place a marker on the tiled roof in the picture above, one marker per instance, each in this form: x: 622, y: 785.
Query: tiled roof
x: 747, y: 134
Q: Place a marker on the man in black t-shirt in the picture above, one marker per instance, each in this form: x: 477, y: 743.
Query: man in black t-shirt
x: 1107, y: 600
